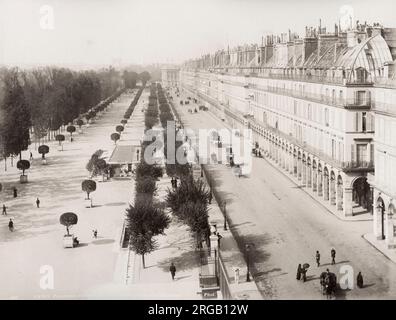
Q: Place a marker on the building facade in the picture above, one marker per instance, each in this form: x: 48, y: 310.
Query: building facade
x: 309, y: 102
x: 170, y: 76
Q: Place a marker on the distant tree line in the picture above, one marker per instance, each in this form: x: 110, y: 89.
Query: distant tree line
x: 131, y: 78
x: 37, y: 103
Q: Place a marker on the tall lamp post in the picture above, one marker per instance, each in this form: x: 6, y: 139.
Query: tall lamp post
x: 225, y: 215
x: 247, y: 249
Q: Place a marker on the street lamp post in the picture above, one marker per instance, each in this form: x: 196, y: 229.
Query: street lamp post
x: 247, y: 249
x: 225, y: 215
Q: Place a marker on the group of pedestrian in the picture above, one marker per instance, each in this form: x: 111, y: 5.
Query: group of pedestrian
x: 174, y: 182
x: 332, y: 254
x: 302, y: 270
x: 4, y: 213
x: 257, y: 152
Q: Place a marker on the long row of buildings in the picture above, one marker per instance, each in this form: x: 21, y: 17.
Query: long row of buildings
x: 323, y: 107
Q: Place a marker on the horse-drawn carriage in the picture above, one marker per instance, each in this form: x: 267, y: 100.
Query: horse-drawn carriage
x: 328, y: 283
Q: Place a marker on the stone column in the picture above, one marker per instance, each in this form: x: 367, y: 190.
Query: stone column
x: 304, y: 172
x: 348, y: 203
x: 389, y: 230
x: 333, y: 192
x: 320, y: 184
x: 377, y: 222
x: 314, y: 180
x: 339, y: 197
x: 309, y: 176
x: 299, y: 168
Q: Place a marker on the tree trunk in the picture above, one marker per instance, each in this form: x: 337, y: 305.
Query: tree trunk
x: 143, y: 262
x: 88, y: 195
x: 67, y: 229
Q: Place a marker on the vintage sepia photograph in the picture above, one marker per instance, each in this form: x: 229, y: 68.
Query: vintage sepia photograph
x: 206, y: 151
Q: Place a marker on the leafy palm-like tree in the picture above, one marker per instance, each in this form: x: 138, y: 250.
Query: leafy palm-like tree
x: 189, y: 190
x: 195, y: 215
x: 145, y: 221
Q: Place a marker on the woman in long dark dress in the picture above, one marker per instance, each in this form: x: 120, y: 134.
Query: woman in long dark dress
x: 299, y: 269
x: 359, y: 280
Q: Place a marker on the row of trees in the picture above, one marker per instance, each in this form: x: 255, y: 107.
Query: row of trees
x: 189, y: 200
x: 40, y: 101
x: 172, y: 169
x: 145, y: 218
x: 133, y: 104
x: 151, y: 114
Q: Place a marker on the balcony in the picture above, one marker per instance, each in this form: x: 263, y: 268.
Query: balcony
x: 346, y: 166
x: 269, y: 74
x: 382, y: 107
x: 351, y: 166
x: 318, y: 98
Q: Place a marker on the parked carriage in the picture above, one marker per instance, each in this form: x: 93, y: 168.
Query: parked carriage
x: 328, y: 283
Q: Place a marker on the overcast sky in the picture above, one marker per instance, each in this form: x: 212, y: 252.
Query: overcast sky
x: 103, y: 32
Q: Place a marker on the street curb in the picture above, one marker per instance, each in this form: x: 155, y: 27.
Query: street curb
x: 373, y: 244
x: 301, y: 187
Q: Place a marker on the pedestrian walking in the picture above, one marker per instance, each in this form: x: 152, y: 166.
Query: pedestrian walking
x: 359, y: 280
x: 304, y: 274
x: 15, y: 192
x: 95, y: 233
x: 318, y: 258
x: 11, y: 225
x: 38, y: 202
x: 4, y: 210
x: 218, y: 239
x: 299, y: 269
x: 31, y: 156
x: 210, y: 197
x: 333, y: 254
x: 172, y: 270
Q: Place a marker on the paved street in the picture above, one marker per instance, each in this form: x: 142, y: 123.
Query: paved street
x: 37, y: 239
x: 287, y: 226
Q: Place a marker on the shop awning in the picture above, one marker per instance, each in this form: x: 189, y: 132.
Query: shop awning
x: 125, y: 154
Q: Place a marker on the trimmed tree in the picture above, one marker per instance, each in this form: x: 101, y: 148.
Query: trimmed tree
x: 115, y: 137
x: 71, y: 129
x: 88, y: 186
x: 119, y: 129
x: 23, y: 165
x: 124, y: 121
x: 80, y: 123
x: 68, y: 219
x: 144, y: 221
x: 60, y: 138
x: 43, y: 150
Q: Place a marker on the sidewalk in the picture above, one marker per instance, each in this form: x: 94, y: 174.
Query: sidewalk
x: 233, y: 258
x: 177, y: 246
x: 381, y: 246
x: 231, y: 255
